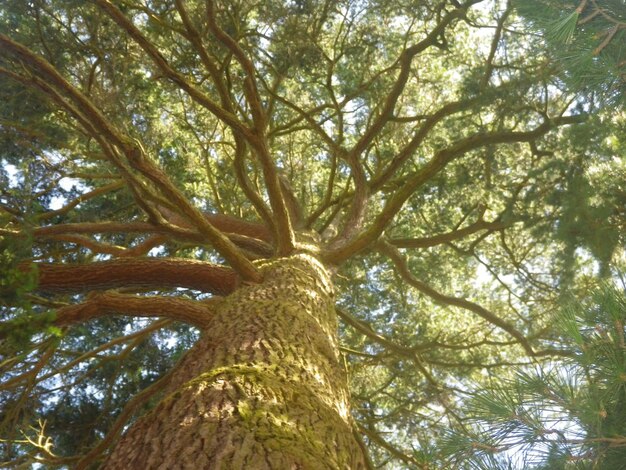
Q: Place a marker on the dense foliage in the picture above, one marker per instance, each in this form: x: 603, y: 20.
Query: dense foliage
x: 461, y: 182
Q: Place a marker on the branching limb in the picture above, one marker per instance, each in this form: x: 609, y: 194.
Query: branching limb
x: 246, y: 235
x: 436, y: 164
x: 284, y: 233
x: 247, y: 187
x: 429, y: 123
x: 283, y: 230
x: 84, y: 110
x: 224, y: 223
x: 494, y: 46
x: 405, y: 61
x: 196, y: 94
x: 195, y: 38
x: 250, y: 85
x: 354, y: 221
x: 220, y: 242
x: 404, y: 271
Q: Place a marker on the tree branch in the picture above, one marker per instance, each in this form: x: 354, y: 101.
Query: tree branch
x: 97, y: 123
x: 405, y: 61
x: 249, y: 236
x: 140, y: 273
x: 195, y: 39
x: 353, y: 222
x: 245, y: 184
x: 284, y: 235
x: 112, y: 303
x: 435, y: 240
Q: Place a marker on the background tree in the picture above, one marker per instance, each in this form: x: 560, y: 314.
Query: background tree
x: 568, y: 414
x: 219, y: 166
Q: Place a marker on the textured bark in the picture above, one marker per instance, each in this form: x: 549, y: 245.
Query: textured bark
x: 263, y: 389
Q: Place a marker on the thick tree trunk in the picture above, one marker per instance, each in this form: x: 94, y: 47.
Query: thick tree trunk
x: 263, y: 389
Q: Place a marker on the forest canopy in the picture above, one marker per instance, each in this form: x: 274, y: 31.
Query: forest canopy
x: 388, y: 222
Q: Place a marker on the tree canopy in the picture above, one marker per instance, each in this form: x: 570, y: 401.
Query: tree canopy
x: 441, y: 158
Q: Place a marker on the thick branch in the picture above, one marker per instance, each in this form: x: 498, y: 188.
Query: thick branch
x: 494, y: 46
x: 354, y: 221
x: 112, y: 303
x: 52, y: 76
x: 224, y: 223
x: 97, y: 123
x: 139, y: 273
x: 246, y: 235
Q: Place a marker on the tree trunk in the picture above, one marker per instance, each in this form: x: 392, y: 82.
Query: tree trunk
x: 264, y: 387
